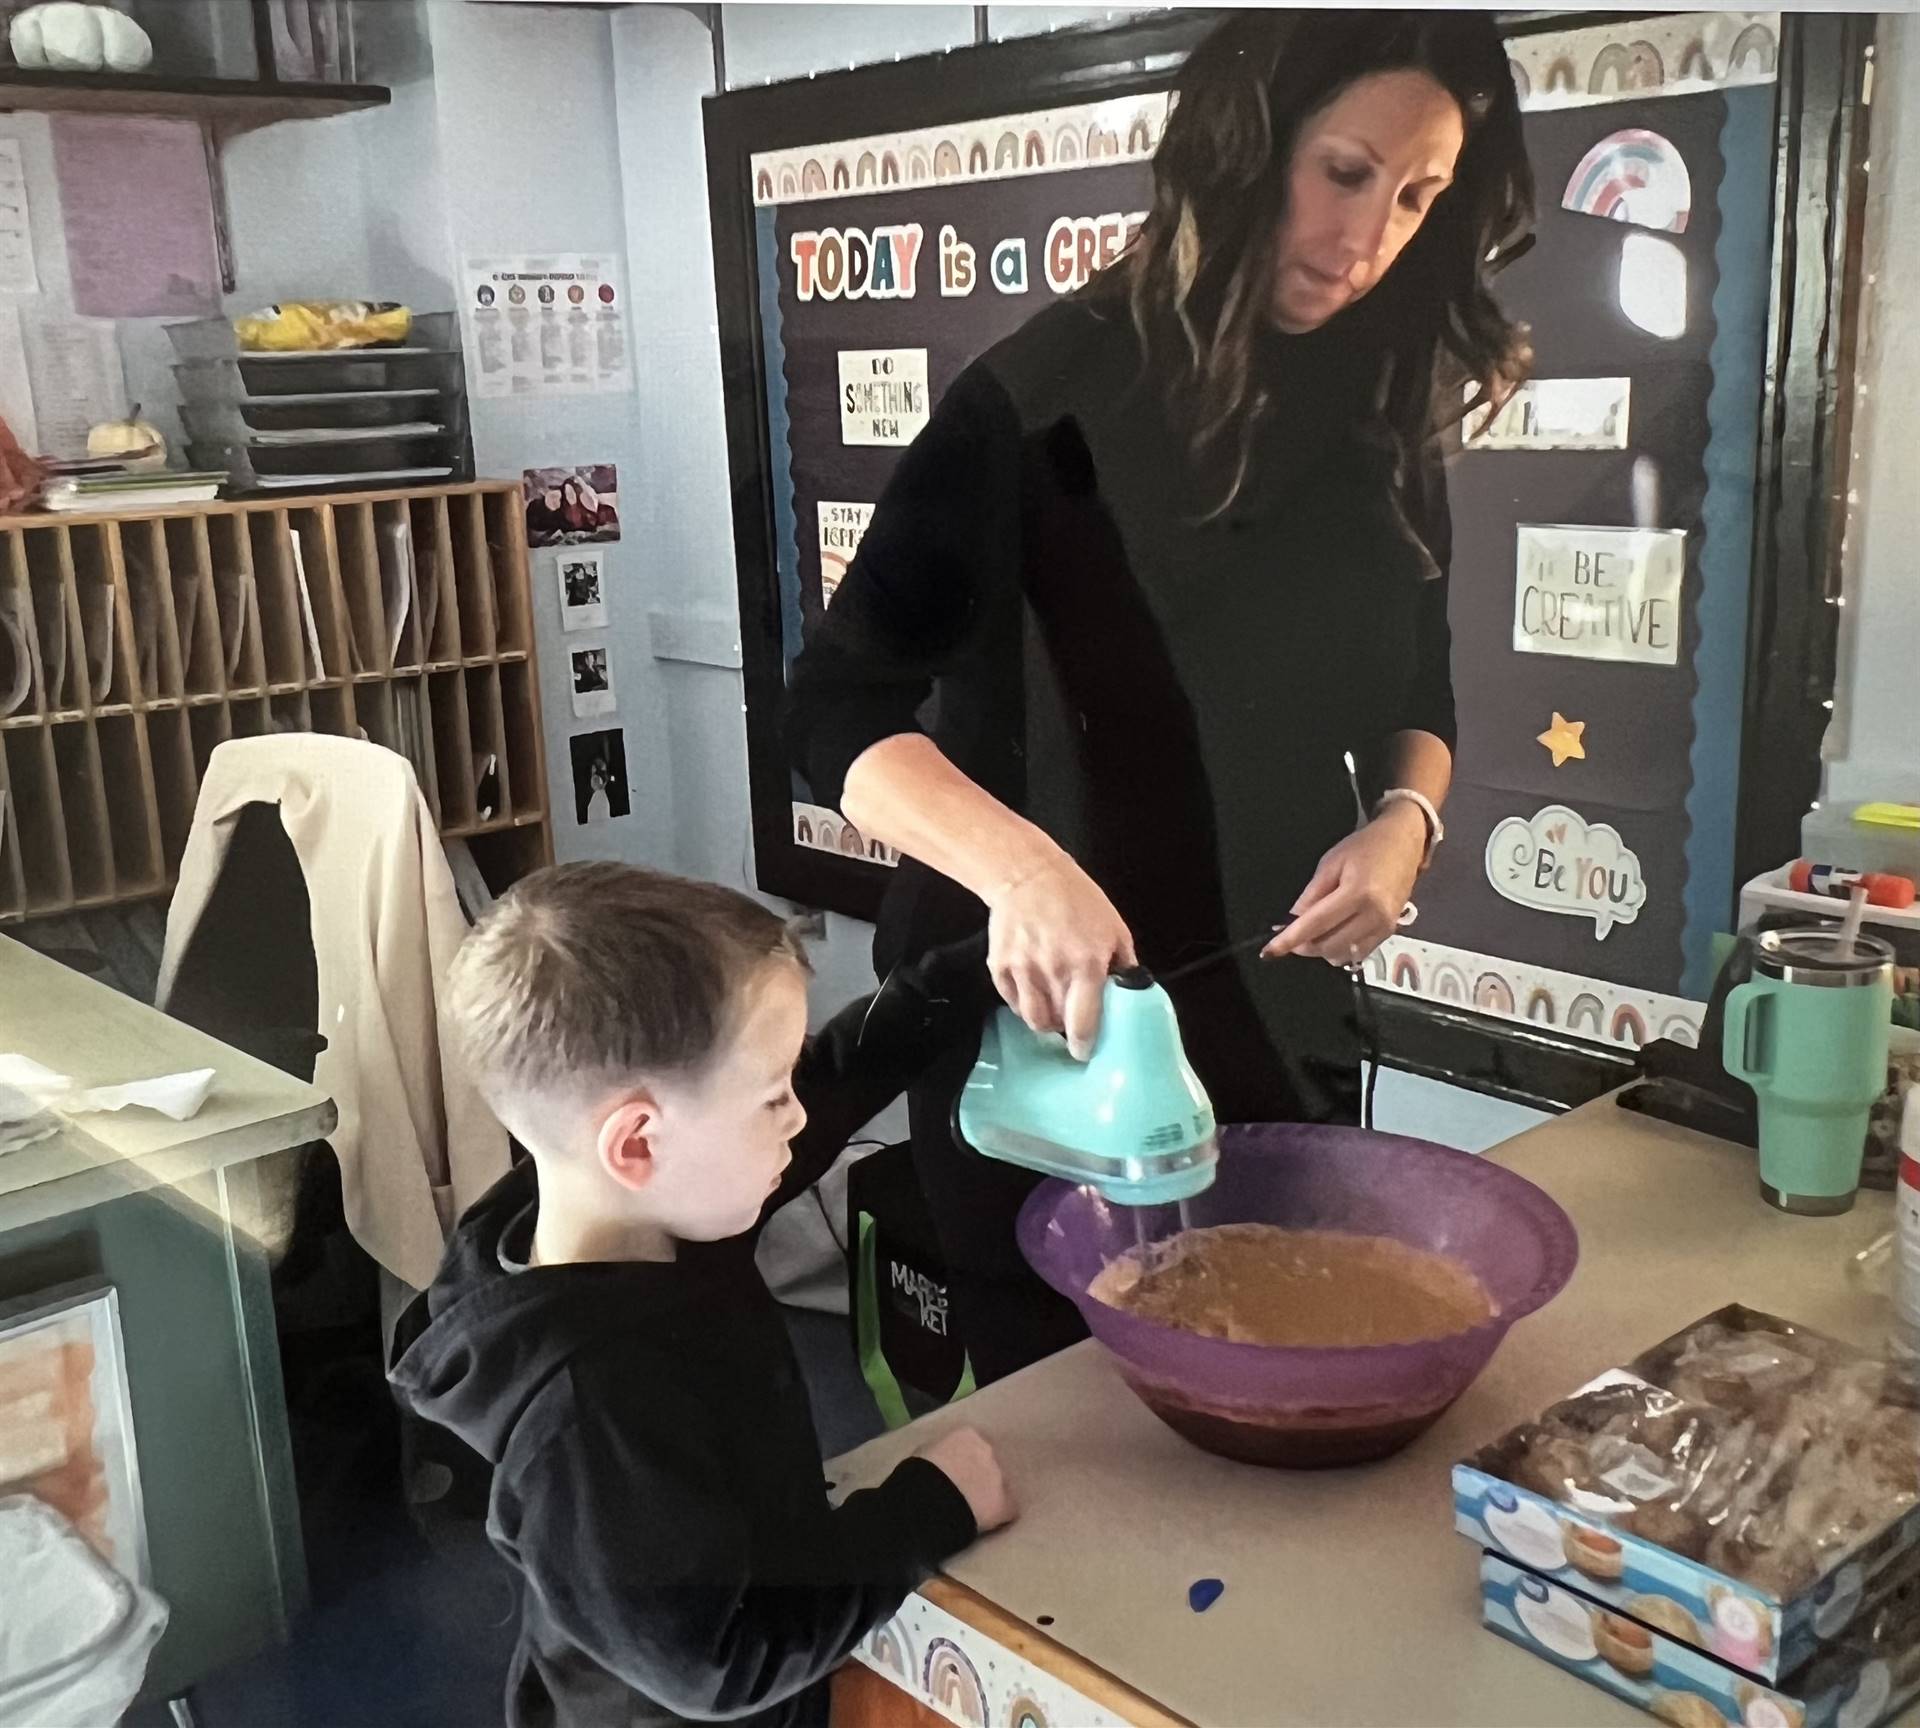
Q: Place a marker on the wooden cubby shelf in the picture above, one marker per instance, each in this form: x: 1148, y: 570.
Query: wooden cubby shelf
x: 148, y: 640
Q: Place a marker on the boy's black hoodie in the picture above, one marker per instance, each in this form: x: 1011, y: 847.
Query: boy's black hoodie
x: 657, y: 1482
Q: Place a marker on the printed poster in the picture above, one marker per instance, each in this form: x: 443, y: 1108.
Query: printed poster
x: 140, y: 244
x: 600, y: 790
x: 583, y: 594
x: 883, y: 395
x: 569, y: 506
x: 592, y: 682
x: 841, y: 529
x: 1555, y: 414
x: 16, y: 389
x: 73, y: 366
x: 1599, y: 593
x: 553, y: 325
x: 19, y: 274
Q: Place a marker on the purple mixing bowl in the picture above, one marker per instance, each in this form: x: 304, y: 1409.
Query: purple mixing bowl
x: 1304, y: 1407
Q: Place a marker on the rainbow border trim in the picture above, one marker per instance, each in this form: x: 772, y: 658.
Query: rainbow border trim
x: 1012, y: 1689
x: 819, y: 829
x: 1674, y: 55
x: 1617, y: 1015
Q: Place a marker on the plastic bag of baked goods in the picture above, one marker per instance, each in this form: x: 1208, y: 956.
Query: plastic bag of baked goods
x: 1762, y: 1451
x: 311, y: 326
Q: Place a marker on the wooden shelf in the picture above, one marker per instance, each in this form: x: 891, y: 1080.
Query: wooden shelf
x: 154, y: 638
x: 221, y: 507
x: 237, y: 104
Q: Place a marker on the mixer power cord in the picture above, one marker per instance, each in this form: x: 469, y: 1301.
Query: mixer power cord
x: 1368, y: 1025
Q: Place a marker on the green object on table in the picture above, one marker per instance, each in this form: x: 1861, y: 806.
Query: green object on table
x: 1809, y: 1033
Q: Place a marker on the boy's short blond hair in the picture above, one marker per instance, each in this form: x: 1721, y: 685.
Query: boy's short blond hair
x: 585, y: 976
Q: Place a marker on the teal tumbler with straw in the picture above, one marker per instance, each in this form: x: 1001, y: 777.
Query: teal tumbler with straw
x: 1809, y: 1033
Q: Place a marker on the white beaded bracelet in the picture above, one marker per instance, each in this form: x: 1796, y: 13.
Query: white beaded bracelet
x: 1436, y: 829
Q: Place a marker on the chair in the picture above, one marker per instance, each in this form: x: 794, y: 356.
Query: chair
x: 330, y: 836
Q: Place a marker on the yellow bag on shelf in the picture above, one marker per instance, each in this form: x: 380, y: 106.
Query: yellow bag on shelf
x: 305, y: 326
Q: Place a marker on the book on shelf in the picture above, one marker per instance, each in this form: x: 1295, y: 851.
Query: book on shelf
x: 106, y: 490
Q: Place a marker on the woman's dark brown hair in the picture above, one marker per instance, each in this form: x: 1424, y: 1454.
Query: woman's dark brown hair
x: 1199, y: 277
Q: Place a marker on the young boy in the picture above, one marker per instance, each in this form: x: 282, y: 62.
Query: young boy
x: 600, y: 1334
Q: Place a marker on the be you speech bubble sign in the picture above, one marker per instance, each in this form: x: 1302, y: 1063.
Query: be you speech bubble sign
x: 1559, y: 862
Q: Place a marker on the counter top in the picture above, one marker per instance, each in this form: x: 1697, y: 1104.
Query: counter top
x: 1349, y: 1598
x: 78, y: 1026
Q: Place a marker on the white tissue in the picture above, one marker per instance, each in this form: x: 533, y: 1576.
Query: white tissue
x: 28, y: 1076
x: 23, y: 1122
x: 176, y: 1095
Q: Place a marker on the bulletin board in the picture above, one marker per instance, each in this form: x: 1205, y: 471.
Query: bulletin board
x: 1635, y: 611
x: 873, y: 302
x: 863, y: 274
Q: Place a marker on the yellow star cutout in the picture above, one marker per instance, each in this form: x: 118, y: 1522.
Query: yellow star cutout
x: 1562, y: 739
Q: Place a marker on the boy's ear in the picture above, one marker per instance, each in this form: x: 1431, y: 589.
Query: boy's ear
x: 625, y: 1140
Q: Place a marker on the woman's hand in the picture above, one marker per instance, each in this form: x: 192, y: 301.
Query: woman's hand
x: 1354, y: 901
x: 1052, y: 938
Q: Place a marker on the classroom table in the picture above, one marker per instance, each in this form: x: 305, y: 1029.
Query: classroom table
x: 157, y: 1208
x: 1349, y: 1599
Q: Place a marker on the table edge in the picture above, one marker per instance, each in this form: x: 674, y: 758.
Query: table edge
x: 1017, y: 1636
x: 122, y: 1174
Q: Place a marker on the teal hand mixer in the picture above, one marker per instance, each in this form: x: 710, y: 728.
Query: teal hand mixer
x: 1132, y: 1121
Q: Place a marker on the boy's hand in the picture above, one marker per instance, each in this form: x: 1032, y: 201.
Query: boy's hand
x: 968, y: 1462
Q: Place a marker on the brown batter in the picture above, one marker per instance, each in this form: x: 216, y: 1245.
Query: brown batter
x: 1260, y: 1284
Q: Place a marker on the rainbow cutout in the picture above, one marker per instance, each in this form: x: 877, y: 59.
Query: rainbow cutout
x: 1633, y: 176
x: 952, y: 1683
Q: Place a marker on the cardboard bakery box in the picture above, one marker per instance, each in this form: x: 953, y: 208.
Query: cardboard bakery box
x: 1853, y: 1684
x: 1760, y: 1479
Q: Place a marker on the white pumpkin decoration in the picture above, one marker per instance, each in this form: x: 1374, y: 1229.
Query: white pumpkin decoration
x: 71, y: 35
x: 128, y: 47
x: 23, y: 36
x: 66, y: 36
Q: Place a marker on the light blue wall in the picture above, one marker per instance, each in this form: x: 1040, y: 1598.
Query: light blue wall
x: 527, y: 129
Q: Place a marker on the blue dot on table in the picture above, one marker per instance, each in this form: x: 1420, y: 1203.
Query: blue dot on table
x: 1203, y: 1593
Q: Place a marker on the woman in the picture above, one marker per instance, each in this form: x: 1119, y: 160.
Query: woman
x: 1165, y: 556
